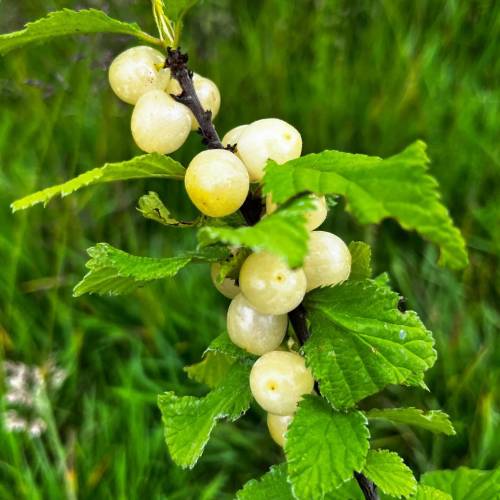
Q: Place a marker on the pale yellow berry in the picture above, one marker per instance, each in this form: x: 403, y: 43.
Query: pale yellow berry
x: 137, y: 71
x: 278, y: 380
x: 217, y: 182
x: 314, y: 218
x: 278, y: 425
x: 253, y: 331
x: 270, y: 285
x: 228, y: 286
x: 265, y: 139
x: 328, y: 261
x: 231, y: 138
x: 159, y: 124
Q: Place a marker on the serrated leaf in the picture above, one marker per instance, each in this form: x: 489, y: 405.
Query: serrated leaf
x: 211, y: 370
x: 434, y: 420
x: 324, y: 447
x: 70, y: 22
x: 361, y: 255
x: 397, y: 187
x: 429, y: 493
x: 189, y: 421
x: 360, y: 342
x: 273, y: 485
x: 464, y: 483
x: 388, y: 471
x: 282, y: 233
x: 151, y: 207
x: 151, y: 165
x: 115, y: 272
x: 230, y: 268
x: 223, y: 345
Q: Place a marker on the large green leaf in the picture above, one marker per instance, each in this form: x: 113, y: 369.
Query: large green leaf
x: 361, y: 256
x: 211, y: 370
x: 324, y: 447
x: 189, y: 421
x: 388, y: 471
x: 273, y: 485
x: 465, y: 484
x: 151, y: 165
x: 360, y: 342
x: 223, y: 345
x: 70, y: 22
x: 283, y: 232
x: 397, y: 187
x: 434, y: 420
x: 429, y: 493
x: 115, y: 272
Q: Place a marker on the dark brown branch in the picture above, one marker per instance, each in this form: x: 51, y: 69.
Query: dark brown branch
x: 368, y: 487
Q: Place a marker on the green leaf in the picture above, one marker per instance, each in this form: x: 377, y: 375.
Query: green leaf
x: 177, y: 9
x: 115, y: 272
x: 70, y: 22
x: 273, y: 485
x: 282, y: 233
x: 189, y: 421
x: 429, y: 493
x: 223, y: 345
x: 151, y: 165
x: 324, y: 447
x: 230, y: 268
x: 434, y: 420
x: 397, y: 187
x: 388, y: 471
x: 361, y: 255
x: 360, y: 342
x: 211, y: 370
x: 465, y: 484
x: 153, y: 208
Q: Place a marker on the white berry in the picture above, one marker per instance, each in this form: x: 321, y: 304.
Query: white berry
x: 278, y: 380
x: 159, y: 124
x: 253, y: 331
x: 232, y: 137
x: 217, y: 182
x: 228, y: 286
x: 270, y: 285
x: 137, y: 71
x: 265, y: 139
x: 328, y: 261
x: 278, y: 425
x: 314, y: 218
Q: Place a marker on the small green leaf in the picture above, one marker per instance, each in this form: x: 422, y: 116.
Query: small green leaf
x: 153, y: 208
x: 273, y: 485
x: 434, y: 420
x: 429, y: 493
x: 360, y: 342
x: 388, y: 471
x: 115, y: 272
x: 70, y: 22
x: 223, y: 345
x: 361, y: 255
x: 283, y: 232
x: 397, y: 187
x: 189, y: 421
x: 324, y: 447
x: 230, y: 268
x: 465, y: 484
x: 151, y: 165
x: 211, y: 370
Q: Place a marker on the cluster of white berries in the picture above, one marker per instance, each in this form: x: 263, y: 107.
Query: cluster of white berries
x: 217, y: 182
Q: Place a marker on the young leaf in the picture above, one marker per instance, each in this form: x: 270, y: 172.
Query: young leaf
x: 397, y: 187
x: 272, y: 485
x: 429, y: 493
x: 388, y: 471
x: 223, y: 345
x: 361, y: 266
x: 434, y: 420
x: 324, y: 447
x: 153, y: 208
x: 115, y: 272
x: 211, y: 370
x: 283, y: 232
x: 70, y: 22
x: 360, y: 342
x: 150, y: 165
x: 189, y: 421
x: 464, y: 483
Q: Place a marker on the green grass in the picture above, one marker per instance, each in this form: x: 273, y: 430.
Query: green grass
x: 357, y: 76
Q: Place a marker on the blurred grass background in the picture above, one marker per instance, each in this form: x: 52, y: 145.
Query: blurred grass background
x: 354, y: 75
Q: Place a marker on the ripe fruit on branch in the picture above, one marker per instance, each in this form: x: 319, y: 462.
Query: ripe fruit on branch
x: 253, y: 331
x: 265, y: 139
x: 228, y: 286
x: 328, y: 261
x: 278, y: 380
x: 314, y: 217
x: 278, y: 425
x: 270, y: 285
x: 137, y: 71
x: 217, y: 182
x: 233, y: 136
x: 159, y: 123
